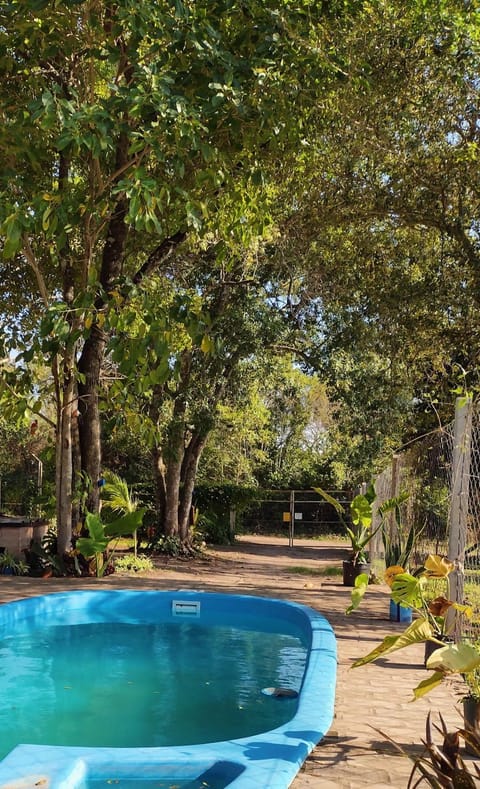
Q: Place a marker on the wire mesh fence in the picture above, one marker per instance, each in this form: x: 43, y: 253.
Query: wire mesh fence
x: 295, y: 513
x: 441, y: 475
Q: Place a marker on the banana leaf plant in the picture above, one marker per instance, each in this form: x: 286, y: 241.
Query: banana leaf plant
x: 102, y: 535
x: 431, y: 623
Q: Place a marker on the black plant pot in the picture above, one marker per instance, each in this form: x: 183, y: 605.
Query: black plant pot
x: 353, y: 569
x: 432, y: 646
x: 471, y: 716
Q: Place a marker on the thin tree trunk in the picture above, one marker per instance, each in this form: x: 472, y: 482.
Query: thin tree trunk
x: 159, y: 484
x: 90, y: 365
x: 76, y: 469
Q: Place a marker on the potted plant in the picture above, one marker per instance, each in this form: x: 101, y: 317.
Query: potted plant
x: 359, y: 533
x: 430, y: 625
x: 440, y: 765
x: 471, y: 708
x: 398, y: 545
x: 10, y: 565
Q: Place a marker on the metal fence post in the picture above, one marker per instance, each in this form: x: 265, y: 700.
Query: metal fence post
x: 458, y: 518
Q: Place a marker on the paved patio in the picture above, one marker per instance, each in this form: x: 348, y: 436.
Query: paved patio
x: 353, y: 754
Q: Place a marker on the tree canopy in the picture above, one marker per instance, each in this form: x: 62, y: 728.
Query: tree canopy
x: 189, y: 186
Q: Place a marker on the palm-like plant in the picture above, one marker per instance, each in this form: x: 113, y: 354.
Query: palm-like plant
x: 441, y: 766
x: 118, y: 497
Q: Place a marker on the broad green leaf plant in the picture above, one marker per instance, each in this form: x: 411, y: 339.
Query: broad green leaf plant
x: 361, y: 516
x: 98, y: 545
x: 430, y: 624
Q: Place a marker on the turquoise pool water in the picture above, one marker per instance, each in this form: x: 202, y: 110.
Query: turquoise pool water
x: 148, y: 690
x: 116, y: 684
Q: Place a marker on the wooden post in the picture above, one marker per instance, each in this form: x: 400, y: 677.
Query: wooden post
x: 291, y: 525
x: 458, y: 519
x: 394, y: 491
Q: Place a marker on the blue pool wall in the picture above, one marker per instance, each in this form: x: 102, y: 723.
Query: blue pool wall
x: 269, y: 760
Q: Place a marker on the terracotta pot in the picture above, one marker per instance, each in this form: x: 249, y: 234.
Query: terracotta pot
x: 471, y: 716
x: 351, y: 570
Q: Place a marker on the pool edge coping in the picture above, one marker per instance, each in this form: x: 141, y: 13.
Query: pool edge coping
x: 250, y: 753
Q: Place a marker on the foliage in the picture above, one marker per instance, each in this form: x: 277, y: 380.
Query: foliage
x: 385, y: 225
x: 43, y: 558
x: 472, y: 680
x: 223, y: 497
x: 98, y: 544
x: 118, y: 498
x: 431, y: 623
x: 144, y: 141
x: 215, y: 503
x: 136, y: 564
x: 9, y: 565
x: 216, y: 529
x: 173, y: 546
x: 397, y: 545
x: 361, y: 516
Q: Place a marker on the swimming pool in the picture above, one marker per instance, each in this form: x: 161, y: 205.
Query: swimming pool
x: 261, y: 742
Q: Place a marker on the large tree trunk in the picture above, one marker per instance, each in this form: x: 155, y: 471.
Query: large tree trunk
x: 176, y: 449
x: 172, y: 499
x: 90, y: 366
x: 189, y: 472
x: 92, y: 356
x: 65, y: 389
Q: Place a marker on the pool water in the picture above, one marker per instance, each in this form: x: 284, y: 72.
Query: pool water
x: 119, y: 684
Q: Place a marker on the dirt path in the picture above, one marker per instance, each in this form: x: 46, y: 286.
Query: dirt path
x: 353, y: 755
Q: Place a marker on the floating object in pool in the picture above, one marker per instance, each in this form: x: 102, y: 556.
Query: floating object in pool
x: 280, y: 693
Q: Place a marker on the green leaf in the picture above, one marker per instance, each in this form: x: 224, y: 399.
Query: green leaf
x: 127, y: 524
x: 407, y: 589
x: 358, y: 592
x: 89, y: 547
x: 207, y: 345
x: 97, y: 542
x: 427, y: 685
x: 361, y: 510
x: 12, y: 228
x: 454, y: 659
x: 330, y: 500
x: 419, y: 630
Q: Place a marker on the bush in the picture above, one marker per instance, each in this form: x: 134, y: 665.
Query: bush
x: 130, y: 563
x: 215, y: 502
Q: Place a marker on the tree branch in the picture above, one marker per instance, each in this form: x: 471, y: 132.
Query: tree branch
x: 159, y: 255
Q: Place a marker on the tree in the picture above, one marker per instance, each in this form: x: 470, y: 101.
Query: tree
x: 129, y: 129
x: 385, y: 221
x: 190, y: 355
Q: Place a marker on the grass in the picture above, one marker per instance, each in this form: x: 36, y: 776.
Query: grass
x: 328, y: 571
